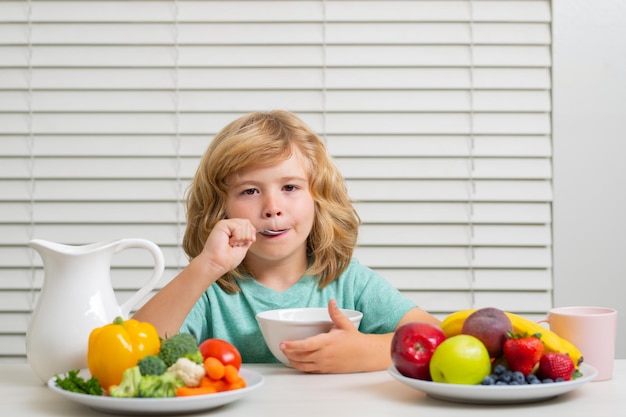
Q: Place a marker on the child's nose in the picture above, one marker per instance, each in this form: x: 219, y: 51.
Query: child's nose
x: 271, y: 205
x: 272, y: 213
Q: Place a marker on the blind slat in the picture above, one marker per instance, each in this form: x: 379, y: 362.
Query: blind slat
x: 422, y: 279
x: 339, y: 146
x: 370, y: 235
x: 531, y: 302
x: 336, y: 101
x: 161, y: 78
x: 444, y: 168
x: 459, y: 279
x: 414, y: 190
x: 422, y: 257
x: 105, y: 146
x: 137, y: 212
x: 438, y: 123
x: 449, y: 235
x: 146, y: 11
x: 278, y: 56
x: 365, y: 190
x: 437, y: 146
x: 379, y: 168
x: 276, y: 78
x: 92, y: 190
x: 433, y: 212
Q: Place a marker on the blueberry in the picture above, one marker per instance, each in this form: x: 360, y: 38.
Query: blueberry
x: 519, y: 378
x: 499, y: 369
x: 532, y: 379
x: 489, y: 380
x: 547, y: 381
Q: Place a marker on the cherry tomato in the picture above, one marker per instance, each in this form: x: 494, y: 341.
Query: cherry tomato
x: 222, y: 350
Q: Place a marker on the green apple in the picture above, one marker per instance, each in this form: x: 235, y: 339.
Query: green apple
x: 460, y: 359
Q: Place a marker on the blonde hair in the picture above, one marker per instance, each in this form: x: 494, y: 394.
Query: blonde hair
x: 264, y: 139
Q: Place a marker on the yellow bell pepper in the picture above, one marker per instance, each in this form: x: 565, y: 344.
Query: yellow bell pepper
x: 117, y: 346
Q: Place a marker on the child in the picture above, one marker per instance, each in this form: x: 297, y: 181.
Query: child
x: 270, y: 225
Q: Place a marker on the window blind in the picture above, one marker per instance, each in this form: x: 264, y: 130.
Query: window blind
x: 437, y: 113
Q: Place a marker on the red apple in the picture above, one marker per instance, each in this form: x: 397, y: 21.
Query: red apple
x: 412, y: 347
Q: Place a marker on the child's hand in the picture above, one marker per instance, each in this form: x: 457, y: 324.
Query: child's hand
x: 338, y: 351
x: 229, y: 242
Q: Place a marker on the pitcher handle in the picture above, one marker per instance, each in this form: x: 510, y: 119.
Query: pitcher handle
x: 157, y: 270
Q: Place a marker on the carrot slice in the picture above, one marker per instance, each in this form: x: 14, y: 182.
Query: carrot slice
x: 231, y: 374
x: 238, y: 384
x: 206, y: 382
x: 189, y: 391
x: 214, y: 368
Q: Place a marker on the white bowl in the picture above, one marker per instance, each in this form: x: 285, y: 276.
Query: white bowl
x: 297, y: 323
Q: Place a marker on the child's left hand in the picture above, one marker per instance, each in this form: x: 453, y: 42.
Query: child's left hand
x: 342, y: 350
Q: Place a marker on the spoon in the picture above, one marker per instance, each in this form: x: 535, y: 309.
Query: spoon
x: 269, y: 232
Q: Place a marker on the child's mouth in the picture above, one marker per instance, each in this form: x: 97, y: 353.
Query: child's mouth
x: 268, y: 232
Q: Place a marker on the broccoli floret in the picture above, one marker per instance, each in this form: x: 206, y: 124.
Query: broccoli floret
x: 129, y: 387
x: 159, y: 386
x: 181, y: 345
x: 194, y: 356
x: 151, y: 365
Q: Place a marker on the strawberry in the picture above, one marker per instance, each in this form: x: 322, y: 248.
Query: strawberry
x: 523, y: 352
x: 556, y: 365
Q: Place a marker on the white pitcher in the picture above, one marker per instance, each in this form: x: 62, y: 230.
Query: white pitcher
x: 76, y: 297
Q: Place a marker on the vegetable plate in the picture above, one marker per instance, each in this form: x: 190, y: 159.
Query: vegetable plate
x: 160, y: 406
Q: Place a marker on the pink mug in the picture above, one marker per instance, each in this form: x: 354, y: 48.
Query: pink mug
x: 592, y: 330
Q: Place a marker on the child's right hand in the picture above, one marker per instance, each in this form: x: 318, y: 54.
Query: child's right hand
x: 228, y: 243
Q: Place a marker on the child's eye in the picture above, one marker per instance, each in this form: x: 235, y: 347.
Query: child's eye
x: 249, y: 191
x: 290, y: 187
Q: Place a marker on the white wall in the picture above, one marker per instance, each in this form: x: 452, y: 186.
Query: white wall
x: 589, y: 120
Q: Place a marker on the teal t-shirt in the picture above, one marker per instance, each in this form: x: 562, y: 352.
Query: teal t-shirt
x: 231, y: 317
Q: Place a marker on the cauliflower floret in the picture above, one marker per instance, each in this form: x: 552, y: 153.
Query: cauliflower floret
x: 189, y: 371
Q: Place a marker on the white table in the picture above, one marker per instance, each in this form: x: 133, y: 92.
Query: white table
x: 289, y: 393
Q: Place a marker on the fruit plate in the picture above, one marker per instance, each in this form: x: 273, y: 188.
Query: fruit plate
x: 156, y: 406
x: 483, y: 394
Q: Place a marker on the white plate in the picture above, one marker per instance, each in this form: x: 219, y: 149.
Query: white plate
x: 154, y: 406
x: 503, y: 394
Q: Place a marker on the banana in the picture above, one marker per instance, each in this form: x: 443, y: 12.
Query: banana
x: 552, y: 342
x: 573, y: 352
x: 453, y: 324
